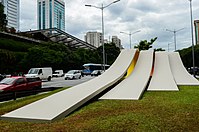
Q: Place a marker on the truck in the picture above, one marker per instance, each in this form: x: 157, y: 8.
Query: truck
x: 58, y: 73
x: 43, y: 73
x: 19, y: 83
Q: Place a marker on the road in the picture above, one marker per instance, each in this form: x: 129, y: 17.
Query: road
x: 60, y: 82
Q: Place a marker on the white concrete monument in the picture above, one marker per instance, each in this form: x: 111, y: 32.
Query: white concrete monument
x: 133, y: 86
x: 181, y: 75
x: 162, y: 77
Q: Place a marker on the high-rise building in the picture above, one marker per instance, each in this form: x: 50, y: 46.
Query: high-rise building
x: 196, y: 24
x: 94, y: 38
x: 51, y: 14
x: 116, y: 41
x: 11, y: 9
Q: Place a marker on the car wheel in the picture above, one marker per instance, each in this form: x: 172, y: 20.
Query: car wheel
x: 79, y: 77
x: 49, y: 78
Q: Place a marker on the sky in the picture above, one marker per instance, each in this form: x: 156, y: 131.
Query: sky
x: 151, y: 17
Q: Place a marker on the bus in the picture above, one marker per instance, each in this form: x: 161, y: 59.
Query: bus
x: 90, y: 67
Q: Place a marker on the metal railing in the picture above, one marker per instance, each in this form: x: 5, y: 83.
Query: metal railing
x: 19, y: 94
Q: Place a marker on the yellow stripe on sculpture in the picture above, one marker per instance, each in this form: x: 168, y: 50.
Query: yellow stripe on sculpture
x: 133, y: 63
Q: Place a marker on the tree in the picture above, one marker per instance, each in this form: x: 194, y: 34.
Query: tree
x: 186, y: 56
x: 159, y: 49
x: 38, y: 56
x: 7, y: 61
x: 3, y: 21
x: 145, y: 45
x: 111, y: 52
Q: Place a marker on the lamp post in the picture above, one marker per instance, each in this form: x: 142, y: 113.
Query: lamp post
x: 102, y: 8
x: 130, y: 36
x: 174, y: 33
x: 193, y: 56
x: 168, y: 46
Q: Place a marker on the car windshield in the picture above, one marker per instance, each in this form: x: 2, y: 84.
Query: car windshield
x: 7, y: 81
x: 33, y: 71
x: 70, y: 72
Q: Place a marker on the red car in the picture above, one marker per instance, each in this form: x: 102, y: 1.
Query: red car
x: 19, y: 83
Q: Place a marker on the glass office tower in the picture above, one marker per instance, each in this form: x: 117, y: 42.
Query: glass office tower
x: 11, y: 9
x: 50, y: 14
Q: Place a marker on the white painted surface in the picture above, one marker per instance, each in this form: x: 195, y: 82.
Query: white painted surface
x: 133, y: 87
x: 162, y: 78
x: 61, y: 104
x: 181, y: 75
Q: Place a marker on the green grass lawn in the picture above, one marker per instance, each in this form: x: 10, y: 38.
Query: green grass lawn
x: 156, y: 111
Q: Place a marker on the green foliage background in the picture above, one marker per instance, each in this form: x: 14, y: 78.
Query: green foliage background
x: 186, y: 55
x: 17, y: 56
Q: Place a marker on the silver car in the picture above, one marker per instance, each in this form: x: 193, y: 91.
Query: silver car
x: 73, y: 74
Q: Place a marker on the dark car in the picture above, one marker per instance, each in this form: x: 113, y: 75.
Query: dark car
x: 96, y: 73
x: 196, y: 69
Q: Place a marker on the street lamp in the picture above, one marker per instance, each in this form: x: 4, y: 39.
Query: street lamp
x: 130, y: 36
x: 169, y: 46
x: 193, y: 56
x: 102, y: 8
x: 174, y: 33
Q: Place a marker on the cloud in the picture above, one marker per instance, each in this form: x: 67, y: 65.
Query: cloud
x: 28, y: 14
x: 151, y: 17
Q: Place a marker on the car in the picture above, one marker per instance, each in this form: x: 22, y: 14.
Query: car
x: 58, y: 73
x: 19, y: 83
x: 196, y: 69
x: 96, y: 73
x: 73, y: 74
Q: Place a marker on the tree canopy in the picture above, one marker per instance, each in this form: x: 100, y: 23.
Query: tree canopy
x: 159, y: 49
x: 19, y: 56
x: 145, y: 45
x: 186, y: 56
x: 3, y: 20
x: 111, y: 52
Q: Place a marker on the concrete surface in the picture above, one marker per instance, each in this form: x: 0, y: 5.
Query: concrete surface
x: 162, y: 78
x: 134, y: 85
x: 181, y: 75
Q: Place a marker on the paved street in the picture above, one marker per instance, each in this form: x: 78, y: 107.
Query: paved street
x: 60, y: 82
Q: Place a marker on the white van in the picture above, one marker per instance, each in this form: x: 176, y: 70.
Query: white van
x: 58, y: 73
x: 42, y: 73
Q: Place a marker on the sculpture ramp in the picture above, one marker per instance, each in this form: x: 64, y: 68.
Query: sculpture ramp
x: 134, y: 85
x: 181, y: 75
x: 162, y: 77
x: 61, y: 104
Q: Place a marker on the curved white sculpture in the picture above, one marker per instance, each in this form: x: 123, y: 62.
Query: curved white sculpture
x: 61, y: 104
x: 181, y: 76
x: 162, y: 78
x: 133, y: 86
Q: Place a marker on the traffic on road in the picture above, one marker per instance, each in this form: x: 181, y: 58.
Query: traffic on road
x: 61, y: 82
